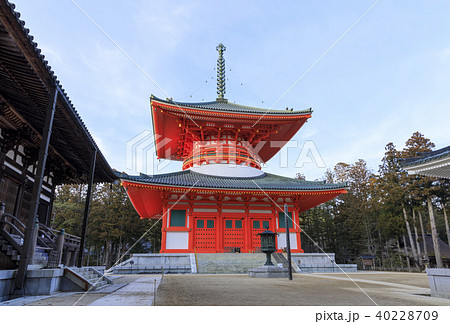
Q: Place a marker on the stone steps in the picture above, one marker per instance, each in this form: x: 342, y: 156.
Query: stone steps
x: 229, y: 262
x: 94, y: 278
x: 40, y: 257
x: 320, y: 262
x: 9, y: 251
x: 156, y: 263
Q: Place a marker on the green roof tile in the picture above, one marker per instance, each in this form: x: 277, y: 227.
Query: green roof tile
x: 224, y: 105
x: 267, y: 181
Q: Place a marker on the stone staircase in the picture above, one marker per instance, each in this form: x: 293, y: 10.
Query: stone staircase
x: 140, y: 263
x: 40, y: 256
x: 229, y: 262
x: 9, y: 251
x: 87, y: 278
x: 320, y: 262
x: 280, y: 258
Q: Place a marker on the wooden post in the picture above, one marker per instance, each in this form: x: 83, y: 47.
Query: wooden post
x: 60, y: 245
x: 29, y: 243
x: 288, y: 240
x: 2, y: 210
x: 2, y: 161
x: 87, y: 207
x: 34, y: 239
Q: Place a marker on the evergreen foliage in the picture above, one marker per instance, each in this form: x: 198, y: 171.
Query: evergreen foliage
x: 381, y: 213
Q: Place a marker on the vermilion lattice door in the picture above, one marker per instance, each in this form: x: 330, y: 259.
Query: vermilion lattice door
x: 258, y: 226
x: 233, y: 235
x: 205, y: 235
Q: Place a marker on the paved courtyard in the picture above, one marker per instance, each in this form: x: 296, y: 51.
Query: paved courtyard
x: 325, y: 289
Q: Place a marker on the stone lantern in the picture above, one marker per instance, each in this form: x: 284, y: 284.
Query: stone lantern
x: 268, y: 270
x: 268, y: 245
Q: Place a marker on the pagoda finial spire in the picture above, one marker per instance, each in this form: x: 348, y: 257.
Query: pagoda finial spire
x: 221, y: 73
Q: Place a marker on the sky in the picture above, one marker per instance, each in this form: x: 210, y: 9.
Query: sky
x: 388, y: 77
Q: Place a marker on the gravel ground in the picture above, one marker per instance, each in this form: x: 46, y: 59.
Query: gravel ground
x: 384, y: 289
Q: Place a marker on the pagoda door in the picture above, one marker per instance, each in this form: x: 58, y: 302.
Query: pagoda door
x: 205, y: 235
x: 233, y: 235
x: 258, y: 226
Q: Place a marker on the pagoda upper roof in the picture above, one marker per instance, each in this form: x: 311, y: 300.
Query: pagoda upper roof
x: 177, y: 125
x: 224, y: 106
x: 267, y: 181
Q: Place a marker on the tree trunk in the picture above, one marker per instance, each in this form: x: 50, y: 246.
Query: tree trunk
x: 434, y: 234
x: 107, y: 253
x: 425, y: 250
x: 406, y: 253
x: 88, y: 255
x: 119, y: 250
x: 399, y: 254
x: 112, y: 257
x: 124, y: 251
x: 447, y: 229
x: 408, y: 228
x: 419, y: 253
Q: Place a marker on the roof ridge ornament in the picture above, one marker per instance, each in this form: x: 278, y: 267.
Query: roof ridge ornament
x: 221, y: 74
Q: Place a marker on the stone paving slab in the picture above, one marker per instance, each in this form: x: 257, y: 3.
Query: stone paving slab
x: 138, y: 293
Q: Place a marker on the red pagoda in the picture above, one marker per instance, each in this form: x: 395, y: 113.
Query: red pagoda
x: 222, y: 199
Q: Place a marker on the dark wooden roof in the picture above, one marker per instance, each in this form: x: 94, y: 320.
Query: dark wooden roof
x: 425, y: 157
x: 26, y: 79
x: 443, y: 247
x: 434, y: 163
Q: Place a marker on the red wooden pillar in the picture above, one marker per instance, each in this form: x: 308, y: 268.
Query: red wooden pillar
x: 164, y: 227
x: 299, y: 240
x: 274, y: 224
x: 246, y: 227
x: 220, y: 229
x: 191, y: 227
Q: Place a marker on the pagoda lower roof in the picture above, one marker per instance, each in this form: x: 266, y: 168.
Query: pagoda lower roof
x: 267, y: 181
x: 225, y: 106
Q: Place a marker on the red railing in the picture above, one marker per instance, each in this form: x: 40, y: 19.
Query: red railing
x: 221, y: 153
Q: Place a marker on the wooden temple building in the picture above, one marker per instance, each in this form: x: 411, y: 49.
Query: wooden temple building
x: 43, y: 143
x: 222, y: 199
x: 432, y: 164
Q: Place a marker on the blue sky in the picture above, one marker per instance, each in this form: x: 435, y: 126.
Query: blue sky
x: 387, y: 78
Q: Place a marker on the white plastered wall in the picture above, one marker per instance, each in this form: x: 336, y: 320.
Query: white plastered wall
x: 282, y: 240
x: 177, y: 240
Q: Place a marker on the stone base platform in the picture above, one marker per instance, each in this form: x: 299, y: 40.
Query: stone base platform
x: 268, y: 271
x: 439, y: 280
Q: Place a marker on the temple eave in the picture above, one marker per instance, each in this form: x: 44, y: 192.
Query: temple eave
x: 143, y: 185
